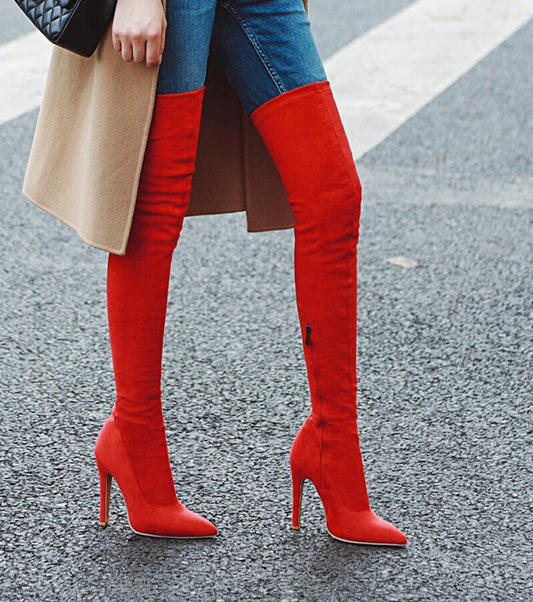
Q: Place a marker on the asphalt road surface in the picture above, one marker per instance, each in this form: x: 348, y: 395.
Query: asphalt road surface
x: 444, y: 364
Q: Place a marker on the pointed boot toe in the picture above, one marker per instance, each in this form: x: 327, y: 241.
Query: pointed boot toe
x: 365, y: 528
x: 197, y: 525
x: 177, y: 522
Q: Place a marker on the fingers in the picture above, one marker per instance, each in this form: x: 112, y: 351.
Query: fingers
x: 163, y: 37
x: 153, y: 45
x: 138, y: 48
x: 122, y: 44
x: 117, y: 44
x: 131, y: 50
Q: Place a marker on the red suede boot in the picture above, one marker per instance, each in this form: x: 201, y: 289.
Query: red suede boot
x: 132, y: 445
x: 303, y: 132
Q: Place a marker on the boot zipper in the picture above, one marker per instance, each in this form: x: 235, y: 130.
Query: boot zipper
x: 318, y: 397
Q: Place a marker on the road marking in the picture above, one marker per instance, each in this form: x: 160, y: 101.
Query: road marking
x: 379, y: 80
x: 387, y: 75
x: 23, y: 68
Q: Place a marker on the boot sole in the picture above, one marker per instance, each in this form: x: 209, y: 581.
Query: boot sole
x: 172, y: 536
x: 367, y: 543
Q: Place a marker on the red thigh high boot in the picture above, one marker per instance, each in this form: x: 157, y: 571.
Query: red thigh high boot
x: 303, y: 132
x: 132, y: 445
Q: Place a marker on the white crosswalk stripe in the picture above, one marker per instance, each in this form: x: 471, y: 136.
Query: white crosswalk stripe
x: 23, y: 67
x: 384, y: 77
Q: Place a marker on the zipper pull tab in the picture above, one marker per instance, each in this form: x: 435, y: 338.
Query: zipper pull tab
x: 308, y: 334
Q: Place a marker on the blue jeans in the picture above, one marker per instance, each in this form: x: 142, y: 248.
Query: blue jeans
x: 265, y: 47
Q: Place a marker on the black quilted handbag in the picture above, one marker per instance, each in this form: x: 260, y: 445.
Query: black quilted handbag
x: 77, y: 25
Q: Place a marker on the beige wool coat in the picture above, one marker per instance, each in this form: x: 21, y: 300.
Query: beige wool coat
x: 90, y: 138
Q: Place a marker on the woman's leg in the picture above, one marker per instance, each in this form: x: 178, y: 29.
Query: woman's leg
x: 132, y: 445
x: 268, y: 53
x: 265, y: 48
x: 187, y: 39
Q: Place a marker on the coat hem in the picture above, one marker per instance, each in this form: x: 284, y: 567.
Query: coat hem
x: 61, y: 218
x: 270, y: 229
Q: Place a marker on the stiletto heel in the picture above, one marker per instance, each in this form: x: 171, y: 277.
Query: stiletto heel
x: 105, y: 495
x: 297, y: 493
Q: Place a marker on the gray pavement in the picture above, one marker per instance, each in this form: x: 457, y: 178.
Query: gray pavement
x: 444, y: 362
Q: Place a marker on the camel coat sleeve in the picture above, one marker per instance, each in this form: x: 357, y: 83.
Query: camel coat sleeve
x: 90, y: 138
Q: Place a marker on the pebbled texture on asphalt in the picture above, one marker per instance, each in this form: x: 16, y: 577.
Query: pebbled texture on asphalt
x: 444, y: 363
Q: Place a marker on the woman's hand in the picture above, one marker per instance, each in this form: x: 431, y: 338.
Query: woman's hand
x: 139, y: 30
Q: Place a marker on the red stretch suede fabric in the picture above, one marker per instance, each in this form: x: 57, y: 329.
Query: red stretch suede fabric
x: 132, y: 445
x: 304, y: 134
